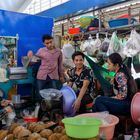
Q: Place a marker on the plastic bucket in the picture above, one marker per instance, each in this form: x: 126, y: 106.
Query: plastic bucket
x: 106, y: 130
x: 82, y: 127
x: 30, y: 119
x: 69, y: 97
x: 120, y: 22
x: 74, y: 30
x: 135, y: 108
x: 92, y: 28
x: 127, y: 137
x: 123, y: 16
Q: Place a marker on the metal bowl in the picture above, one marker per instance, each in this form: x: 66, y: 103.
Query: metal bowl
x: 21, y: 104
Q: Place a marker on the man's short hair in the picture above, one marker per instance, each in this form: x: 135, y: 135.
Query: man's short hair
x: 76, y: 54
x: 46, y: 37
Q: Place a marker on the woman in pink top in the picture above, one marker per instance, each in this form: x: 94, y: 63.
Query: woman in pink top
x: 51, y: 68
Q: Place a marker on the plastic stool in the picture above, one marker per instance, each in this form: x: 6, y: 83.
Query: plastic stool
x: 89, y: 107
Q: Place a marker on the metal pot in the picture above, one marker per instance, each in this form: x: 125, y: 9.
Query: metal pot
x: 47, y: 105
x: 20, y: 104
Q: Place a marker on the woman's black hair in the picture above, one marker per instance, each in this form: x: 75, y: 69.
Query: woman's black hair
x: 115, y: 58
x: 76, y: 54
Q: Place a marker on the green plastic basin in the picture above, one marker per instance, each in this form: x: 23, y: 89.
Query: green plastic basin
x: 82, y: 127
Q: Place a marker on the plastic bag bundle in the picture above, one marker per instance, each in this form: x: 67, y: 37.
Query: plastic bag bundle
x: 89, y: 46
x: 122, y: 44
x: 50, y: 94
x: 105, y: 44
x: 134, y: 74
x: 83, y: 46
x: 68, y: 63
x: 67, y: 50
x: 97, y: 43
x: 92, y: 45
x: 114, y: 45
x: 132, y: 46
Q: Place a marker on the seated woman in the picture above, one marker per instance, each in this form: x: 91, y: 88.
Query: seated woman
x: 82, y: 76
x: 123, y: 90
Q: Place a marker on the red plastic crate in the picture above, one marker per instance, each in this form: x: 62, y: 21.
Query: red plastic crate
x: 74, y: 30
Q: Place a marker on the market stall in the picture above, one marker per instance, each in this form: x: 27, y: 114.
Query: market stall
x: 96, y: 36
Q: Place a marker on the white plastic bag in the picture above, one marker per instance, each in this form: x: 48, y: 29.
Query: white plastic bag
x: 83, y: 46
x: 114, y: 45
x: 132, y: 46
x: 97, y: 43
x: 68, y: 63
x: 50, y: 93
x: 88, y: 45
x: 105, y: 44
x: 134, y: 74
x: 122, y: 44
x: 68, y: 50
x: 92, y: 45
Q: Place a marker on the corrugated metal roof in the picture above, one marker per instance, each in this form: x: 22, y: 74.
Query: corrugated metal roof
x: 12, y: 5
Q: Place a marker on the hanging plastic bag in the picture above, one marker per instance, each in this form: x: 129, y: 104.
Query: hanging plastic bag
x: 68, y: 50
x: 83, y: 46
x: 134, y: 74
x: 114, y: 45
x: 93, y: 45
x: 97, y: 43
x: 89, y: 46
x: 132, y: 46
x: 105, y: 44
x: 122, y: 43
x: 68, y: 63
x: 50, y: 94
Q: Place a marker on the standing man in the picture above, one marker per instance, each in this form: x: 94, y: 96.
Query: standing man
x: 51, y: 68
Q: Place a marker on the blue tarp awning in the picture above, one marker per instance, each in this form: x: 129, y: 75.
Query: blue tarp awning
x: 74, y: 6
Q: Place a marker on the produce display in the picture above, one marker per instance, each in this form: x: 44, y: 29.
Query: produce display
x: 36, y: 131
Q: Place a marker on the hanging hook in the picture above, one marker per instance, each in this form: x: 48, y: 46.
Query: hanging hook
x: 133, y: 27
x: 97, y: 35
x: 90, y: 37
x: 106, y: 34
